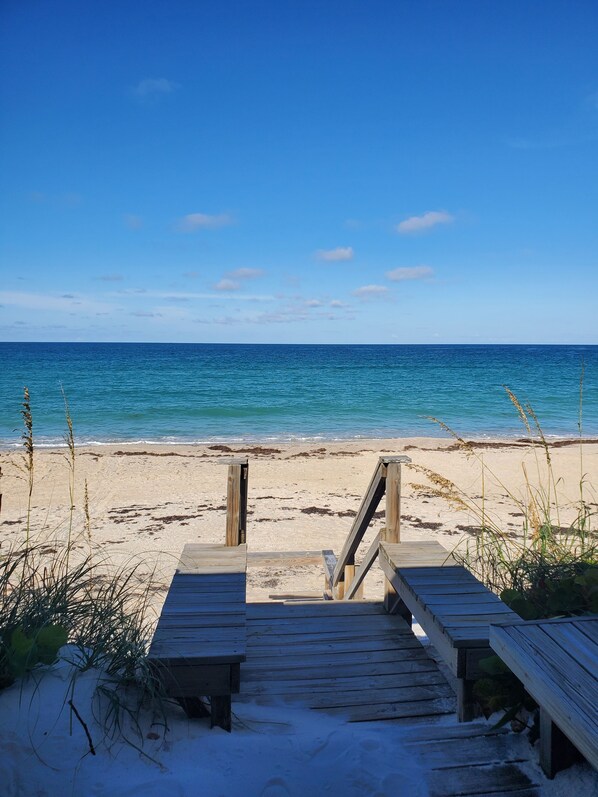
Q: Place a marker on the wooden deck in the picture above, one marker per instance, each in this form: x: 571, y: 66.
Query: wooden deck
x: 353, y: 660
x: 350, y: 659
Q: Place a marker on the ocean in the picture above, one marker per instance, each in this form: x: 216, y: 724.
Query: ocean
x: 186, y: 393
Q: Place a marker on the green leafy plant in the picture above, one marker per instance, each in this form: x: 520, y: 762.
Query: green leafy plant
x: 551, y: 570
x: 52, y: 595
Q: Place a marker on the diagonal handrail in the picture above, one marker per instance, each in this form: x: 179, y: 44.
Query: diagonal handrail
x: 387, y: 469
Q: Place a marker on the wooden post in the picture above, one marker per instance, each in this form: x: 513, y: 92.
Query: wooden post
x: 556, y: 751
x: 392, y: 530
x: 236, y: 501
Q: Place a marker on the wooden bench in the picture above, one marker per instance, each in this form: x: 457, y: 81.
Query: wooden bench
x: 451, y: 605
x: 557, y: 662
x: 201, y: 636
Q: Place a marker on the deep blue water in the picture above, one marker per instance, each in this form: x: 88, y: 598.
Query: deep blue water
x: 202, y: 392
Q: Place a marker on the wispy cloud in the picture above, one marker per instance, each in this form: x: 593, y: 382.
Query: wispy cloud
x: 133, y: 221
x: 370, y: 291
x: 47, y: 302
x: 142, y: 314
x: 183, y: 296
x: 227, y: 285
x: 110, y: 277
x: 335, y: 255
x: 338, y: 303
x: 429, y: 219
x: 203, y: 221
x: 313, y: 303
x: 154, y: 88
x: 414, y: 273
x: 245, y: 273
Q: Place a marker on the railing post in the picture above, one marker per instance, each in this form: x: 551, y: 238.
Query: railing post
x: 392, y: 530
x: 236, y: 501
x: 349, y: 577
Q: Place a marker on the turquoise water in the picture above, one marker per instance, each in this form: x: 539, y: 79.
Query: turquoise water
x: 178, y: 393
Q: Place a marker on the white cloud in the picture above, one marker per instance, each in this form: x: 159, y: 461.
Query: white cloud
x: 414, y: 273
x: 313, y: 303
x: 226, y: 285
x: 203, y: 221
x: 335, y: 255
x: 153, y: 88
x: 368, y: 291
x: 338, y: 303
x: 429, y: 219
x: 245, y: 273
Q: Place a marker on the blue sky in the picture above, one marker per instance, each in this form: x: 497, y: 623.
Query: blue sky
x: 385, y: 172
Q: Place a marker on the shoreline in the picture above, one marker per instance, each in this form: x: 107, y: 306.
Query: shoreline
x: 251, y: 444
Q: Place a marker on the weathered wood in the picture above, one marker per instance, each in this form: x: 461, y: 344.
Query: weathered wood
x: 391, y: 533
x: 365, y: 514
x: 556, y: 751
x: 392, y: 529
x: 560, y: 676
x: 236, y: 502
x: 362, y: 520
x: 456, y: 624
x: 199, y: 642
x: 349, y: 578
x: 481, y: 781
x: 346, y: 684
x: 355, y: 588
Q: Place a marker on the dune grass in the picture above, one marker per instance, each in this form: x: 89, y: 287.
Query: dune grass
x: 549, y: 570
x: 56, y: 601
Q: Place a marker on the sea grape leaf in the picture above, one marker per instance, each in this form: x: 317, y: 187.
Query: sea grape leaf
x: 49, y: 640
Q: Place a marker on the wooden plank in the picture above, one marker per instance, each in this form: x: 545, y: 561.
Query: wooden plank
x: 277, y: 646
x: 473, y: 780
x: 363, y: 569
x: 368, y: 697
x: 327, y: 641
x: 447, y: 753
x: 283, y: 625
x: 416, y: 708
x: 193, y: 680
x: 457, y: 600
x: 557, y: 662
x: 362, y: 520
x: 322, y: 609
x: 365, y: 669
x: 201, y: 655
x: 348, y: 683
x: 342, y: 651
x: 198, y: 621
x: 555, y: 681
x: 326, y: 662
x: 417, y: 554
x: 576, y: 643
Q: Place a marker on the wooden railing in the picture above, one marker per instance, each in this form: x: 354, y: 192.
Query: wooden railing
x: 236, y: 501
x: 344, y: 579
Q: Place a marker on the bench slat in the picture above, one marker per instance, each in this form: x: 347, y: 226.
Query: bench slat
x: 550, y: 672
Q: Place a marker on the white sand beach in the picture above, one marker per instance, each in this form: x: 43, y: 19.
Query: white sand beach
x: 151, y: 500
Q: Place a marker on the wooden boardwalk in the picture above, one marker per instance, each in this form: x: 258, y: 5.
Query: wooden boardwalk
x: 349, y: 658
x: 353, y: 660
